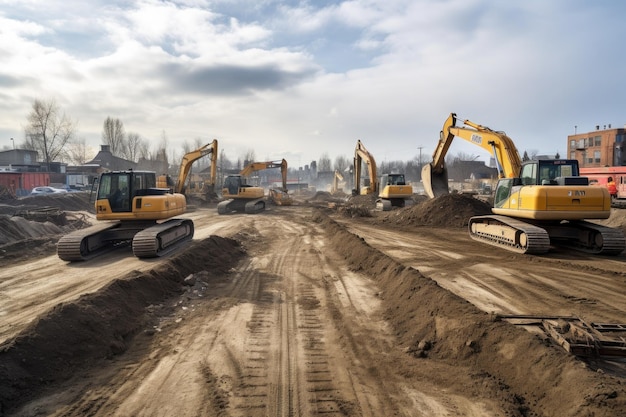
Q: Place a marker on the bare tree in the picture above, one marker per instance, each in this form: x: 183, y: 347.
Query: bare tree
x: 250, y: 156
x: 48, y: 130
x: 341, y: 163
x: 77, y: 151
x: 224, y: 162
x: 323, y: 163
x: 143, y: 150
x: 113, y: 135
x: 133, y: 146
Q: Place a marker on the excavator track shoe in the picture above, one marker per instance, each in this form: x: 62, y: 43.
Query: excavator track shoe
x: 510, y: 234
x: 162, y: 238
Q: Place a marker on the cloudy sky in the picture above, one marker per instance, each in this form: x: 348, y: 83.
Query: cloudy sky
x: 297, y: 79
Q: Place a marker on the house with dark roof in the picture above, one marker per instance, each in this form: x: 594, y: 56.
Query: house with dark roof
x: 109, y: 162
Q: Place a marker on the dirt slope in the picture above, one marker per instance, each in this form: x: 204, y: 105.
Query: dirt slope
x: 294, y: 316
x: 436, y: 325
x: 79, y: 335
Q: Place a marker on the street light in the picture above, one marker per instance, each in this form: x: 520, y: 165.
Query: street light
x: 13, y: 143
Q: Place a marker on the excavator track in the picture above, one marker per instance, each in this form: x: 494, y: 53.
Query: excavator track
x: 241, y: 206
x: 584, y: 236
x: 87, y: 243
x: 508, y: 233
x: 255, y: 206
x: 162, y: 238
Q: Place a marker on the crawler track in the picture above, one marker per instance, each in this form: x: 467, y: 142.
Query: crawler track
x: 511, y: 234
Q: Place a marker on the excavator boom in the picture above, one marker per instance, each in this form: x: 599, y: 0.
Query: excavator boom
x: 189, y: 158
x: 362, y: 155
x: 498, y: 144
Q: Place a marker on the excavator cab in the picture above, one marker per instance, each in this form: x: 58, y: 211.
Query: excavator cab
x: 232, y: 183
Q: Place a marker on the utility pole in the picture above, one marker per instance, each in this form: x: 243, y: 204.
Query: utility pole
x: 419, y: 162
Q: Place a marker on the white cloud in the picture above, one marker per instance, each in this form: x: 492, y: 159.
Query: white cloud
x: 299, y: 78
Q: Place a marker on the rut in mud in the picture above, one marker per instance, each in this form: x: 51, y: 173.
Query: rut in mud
x: 79, y: 335
x: 291, y: 317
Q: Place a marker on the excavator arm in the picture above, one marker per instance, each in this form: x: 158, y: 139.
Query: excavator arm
x: 498, y: 144
x: 189, y: 158
x: 362, y: 155
x: 336, y: 179
x: 257, y: 166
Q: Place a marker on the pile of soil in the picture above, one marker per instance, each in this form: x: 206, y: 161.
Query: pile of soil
x: 529, y: 373
x: 81, y: 201
x: 37, y: 222
x: 83, y: 333
x: 450, y: 210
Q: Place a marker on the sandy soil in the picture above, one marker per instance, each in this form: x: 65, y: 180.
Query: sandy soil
x: 304, y: 311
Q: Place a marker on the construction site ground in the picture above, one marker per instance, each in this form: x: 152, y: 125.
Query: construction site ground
x: 323, y: 308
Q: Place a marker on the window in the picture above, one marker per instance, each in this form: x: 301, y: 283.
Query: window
x: 596, y: 156
x: 597, y: 141
x: 581, y: 143
x: 529, y: 172
x: 572, y: 144
x: 572, y: 155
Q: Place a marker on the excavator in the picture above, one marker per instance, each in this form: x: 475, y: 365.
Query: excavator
x: 337, y: 178
x: 132, y: 210
x: 204, y: 191
x: 393, y: 190
x: 537, y: 203
x: 243, y: 197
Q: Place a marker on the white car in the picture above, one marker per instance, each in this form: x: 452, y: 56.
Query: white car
x: 47, y: 190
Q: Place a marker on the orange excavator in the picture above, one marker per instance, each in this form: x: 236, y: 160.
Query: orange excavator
x: 243, y: 197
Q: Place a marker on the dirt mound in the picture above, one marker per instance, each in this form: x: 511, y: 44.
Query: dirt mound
x: 451, y: 210
x: 530, y: 375
x: 81, y: 201
x: 100, y: 325
x: 16, y: 228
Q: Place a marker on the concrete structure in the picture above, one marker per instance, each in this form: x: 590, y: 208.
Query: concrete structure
x: 598, y: 148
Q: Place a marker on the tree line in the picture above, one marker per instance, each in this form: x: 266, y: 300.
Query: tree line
x: 54, y: 135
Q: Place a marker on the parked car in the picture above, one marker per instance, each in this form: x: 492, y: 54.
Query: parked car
x: 47, y: 191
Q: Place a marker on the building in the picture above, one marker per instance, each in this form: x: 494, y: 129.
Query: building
x: 109, y: 162
x: 22, y: 160
x: 598, y: 148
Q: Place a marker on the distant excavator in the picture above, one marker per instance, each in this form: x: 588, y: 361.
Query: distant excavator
x: 203, y: 191
x: 392, y: 188
x: 536, y: 203
x: 242, y: 197
x: 337, y: 178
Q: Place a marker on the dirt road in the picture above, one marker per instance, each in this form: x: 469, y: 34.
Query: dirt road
x: 291, y: 314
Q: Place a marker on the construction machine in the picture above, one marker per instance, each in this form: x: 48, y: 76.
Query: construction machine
x: 132, y: 209
x: 242, y: 197
x: 392, y: 190
x: 337, y: 178
x: 536, y: 203
x: 203, y: 190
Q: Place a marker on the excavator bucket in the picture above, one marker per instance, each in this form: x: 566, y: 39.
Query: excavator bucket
x: 435, y: 184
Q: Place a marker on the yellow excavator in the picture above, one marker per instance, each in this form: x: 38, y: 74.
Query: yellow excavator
x: 132, y: 210
x: 537, y: 203
x: 392, y: 189
x: 242, y: 197
x: 203, y: 191
x: 334, y: 188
